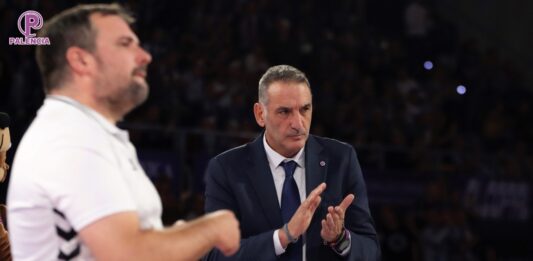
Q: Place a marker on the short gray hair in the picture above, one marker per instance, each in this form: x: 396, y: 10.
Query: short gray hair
x: 283, y: 73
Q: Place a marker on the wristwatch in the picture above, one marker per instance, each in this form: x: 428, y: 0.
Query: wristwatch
x: 342, y: 242
x: 342, y: 245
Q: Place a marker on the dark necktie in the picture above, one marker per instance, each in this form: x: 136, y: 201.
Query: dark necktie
x: 290, y: 201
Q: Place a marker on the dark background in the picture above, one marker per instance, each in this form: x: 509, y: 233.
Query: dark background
x: 448, y: 175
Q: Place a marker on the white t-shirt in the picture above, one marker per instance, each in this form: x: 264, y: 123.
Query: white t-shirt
x: 72, y: 168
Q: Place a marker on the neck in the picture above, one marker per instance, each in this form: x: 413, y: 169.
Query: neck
x: 87, y: 100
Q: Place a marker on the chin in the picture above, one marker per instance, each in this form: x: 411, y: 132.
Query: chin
x: 139, y: 92
x: 297, y: 146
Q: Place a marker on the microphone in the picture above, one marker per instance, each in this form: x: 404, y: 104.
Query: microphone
x: 5, y: 144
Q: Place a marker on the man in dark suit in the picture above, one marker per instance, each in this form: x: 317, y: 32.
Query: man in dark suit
x: 292, y: 192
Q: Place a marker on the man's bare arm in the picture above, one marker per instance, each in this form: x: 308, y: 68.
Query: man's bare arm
x: 118, y: 237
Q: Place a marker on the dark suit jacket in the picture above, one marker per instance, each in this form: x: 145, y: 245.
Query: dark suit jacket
x: 240, y: 180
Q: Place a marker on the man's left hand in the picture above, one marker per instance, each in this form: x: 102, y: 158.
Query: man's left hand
x: 333, y: 224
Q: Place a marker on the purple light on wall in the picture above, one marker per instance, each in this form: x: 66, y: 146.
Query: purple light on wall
x: 428, y: 65
x: 461, y: 89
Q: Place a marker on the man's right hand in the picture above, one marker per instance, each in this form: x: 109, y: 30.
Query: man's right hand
x: 302, y: 217
x: 226, y: 228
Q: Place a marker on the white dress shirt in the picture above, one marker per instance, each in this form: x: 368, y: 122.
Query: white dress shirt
x: 278, y: 174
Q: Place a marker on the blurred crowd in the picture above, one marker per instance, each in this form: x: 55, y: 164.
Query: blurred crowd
x: 418, y: 100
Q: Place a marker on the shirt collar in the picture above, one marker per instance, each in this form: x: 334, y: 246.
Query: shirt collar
x: 275, y: 158
x: 99, y: 118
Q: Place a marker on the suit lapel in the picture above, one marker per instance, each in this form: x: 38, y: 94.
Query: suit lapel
x: 316, y: 165
x: 263, y: 182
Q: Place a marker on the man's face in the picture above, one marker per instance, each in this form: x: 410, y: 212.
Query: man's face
x: 286, y: 117
x: 122, y: 63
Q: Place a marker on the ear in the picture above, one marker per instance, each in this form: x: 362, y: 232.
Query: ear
x: 79, y: 60
x: 259, y: 114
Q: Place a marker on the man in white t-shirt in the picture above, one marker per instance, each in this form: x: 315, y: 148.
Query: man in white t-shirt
x: 77, y: 190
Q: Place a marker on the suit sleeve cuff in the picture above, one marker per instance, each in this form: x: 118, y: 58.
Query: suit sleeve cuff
x: 278, y: 248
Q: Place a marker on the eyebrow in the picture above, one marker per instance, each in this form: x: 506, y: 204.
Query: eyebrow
x: 129, y: 39
x: 289, y: 108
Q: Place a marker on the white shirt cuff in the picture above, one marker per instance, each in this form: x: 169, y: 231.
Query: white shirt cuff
x: 277, y: 243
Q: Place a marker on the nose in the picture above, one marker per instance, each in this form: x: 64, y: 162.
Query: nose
x: 144, y: 56
x: 297, y: 122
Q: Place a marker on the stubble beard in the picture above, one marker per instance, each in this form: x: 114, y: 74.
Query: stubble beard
x: 123, y: 99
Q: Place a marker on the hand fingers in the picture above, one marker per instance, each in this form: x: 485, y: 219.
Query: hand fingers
x: 311, y: 205
x: 318, y: 190
x: 346, y: 202
x: 232, y: 247
x: 315, y: 203
x: 180, y: 222
x: 327, y: 233
x: 330, y: 221
x: 338, y: 220
x: 335, y: 219
x: 314, y: 196
x: 305, y: 212
x: 231, y: 241
x: 337, y: 214
x: 230, y: 250
x: 323, y: 232
x: 333, y: 214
